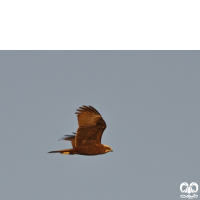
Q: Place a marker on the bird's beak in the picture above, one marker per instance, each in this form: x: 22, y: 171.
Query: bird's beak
x: 111, y: 150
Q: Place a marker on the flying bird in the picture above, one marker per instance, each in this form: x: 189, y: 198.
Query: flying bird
x: 87, y: 139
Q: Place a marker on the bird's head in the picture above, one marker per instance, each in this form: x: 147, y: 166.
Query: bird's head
x: 108, y: 149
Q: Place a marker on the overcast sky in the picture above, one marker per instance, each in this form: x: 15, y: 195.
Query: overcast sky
x: 149, y: 100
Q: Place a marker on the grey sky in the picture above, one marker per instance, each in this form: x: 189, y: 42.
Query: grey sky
x: 149, y: 100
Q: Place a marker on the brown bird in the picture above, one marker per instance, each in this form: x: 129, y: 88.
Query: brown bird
x: 87, y: 140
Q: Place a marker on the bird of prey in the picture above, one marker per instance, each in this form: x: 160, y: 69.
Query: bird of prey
x: 87, y: 139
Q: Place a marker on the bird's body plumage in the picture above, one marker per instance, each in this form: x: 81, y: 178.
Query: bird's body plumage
x: 87, y: 140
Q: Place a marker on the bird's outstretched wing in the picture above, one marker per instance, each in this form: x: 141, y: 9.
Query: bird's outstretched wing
x: 91, y: 126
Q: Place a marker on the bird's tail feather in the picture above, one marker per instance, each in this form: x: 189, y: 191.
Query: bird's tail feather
x: 63, y: 151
